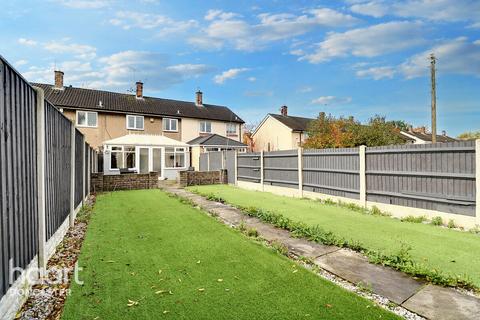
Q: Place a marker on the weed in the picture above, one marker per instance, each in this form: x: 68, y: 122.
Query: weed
x: 329, y: 202
x: 213, y: 197
x: 364, y: 287
x: 279, y: 248
x: 242, y: 227
x: 375, y: 211
x: 413, y: 219
x: 451, y: 224
x: 252, y: 232
x: 437, y: 221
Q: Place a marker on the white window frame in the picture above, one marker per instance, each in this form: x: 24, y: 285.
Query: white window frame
x: 135, y: 122
x: 135, y: 152
x: 185, y: 154
x: 169, y: 120
x: 205, y: 122
x: 86, y: 119
x: 231, y: 133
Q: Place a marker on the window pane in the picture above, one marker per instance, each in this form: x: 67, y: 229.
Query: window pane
x: 130, y: 159
x: 116, y: 148
x: 169, y: 160
x: 143, y: 160
x: 179, y: 160
x: 131, y: 122
x: 169, y: 149
x: 157, y: 160
x: 92, y: 119
x: 173, y: 124
x: 116, y: 160
x: 208, y: 127
x: 139, y: 123
x: 166, y: 124
x: 81, y: 119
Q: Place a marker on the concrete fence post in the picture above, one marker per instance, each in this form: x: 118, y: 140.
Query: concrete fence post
x: 262, y: 171
x: 300, y: 172
x: 477, y: 181
x: 224, y: 155
x: 208, y: 161
x: 41, y: 153
x: 363, y: 176
x: 236, y: 167
x: 71, y: 217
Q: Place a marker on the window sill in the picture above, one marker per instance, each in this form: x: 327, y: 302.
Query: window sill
x: 173, y: 131
x: 134, y: 129
x: 80, y: 126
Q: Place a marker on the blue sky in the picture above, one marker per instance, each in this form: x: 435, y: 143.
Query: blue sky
x: 352, y: 57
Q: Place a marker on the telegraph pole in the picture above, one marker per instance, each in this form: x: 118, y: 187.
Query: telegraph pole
x: 434, y: 98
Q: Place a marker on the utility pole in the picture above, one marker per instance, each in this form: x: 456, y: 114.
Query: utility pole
x: 434, y: 98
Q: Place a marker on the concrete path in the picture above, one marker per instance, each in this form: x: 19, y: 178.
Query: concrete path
x: 426, y: 300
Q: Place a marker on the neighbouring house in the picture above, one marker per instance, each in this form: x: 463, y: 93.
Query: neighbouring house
x: 104, y: 116
x: 212, y: 143
x: 421, y: 136
x: 280, y: 132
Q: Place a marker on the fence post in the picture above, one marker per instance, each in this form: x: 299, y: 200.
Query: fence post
x: 42, y: 255
x: 83, y: 169
x: 477, y: 181
x: 208, y: 161
x: 261, y: 170
x: 363, y: 176
x: 236, y: 167
x: 300, y: 172
x: 71, y: 217
x: 224, y: 154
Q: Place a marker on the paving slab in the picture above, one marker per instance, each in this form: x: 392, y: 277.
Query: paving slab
x: 355, y: 268
x: 434, y: 302
x: 305, y: 248
x: 268, y: 232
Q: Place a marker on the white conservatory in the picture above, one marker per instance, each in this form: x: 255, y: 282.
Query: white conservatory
x: 138, y: 153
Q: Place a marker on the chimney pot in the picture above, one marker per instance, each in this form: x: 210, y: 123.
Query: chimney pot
x: 58, y: 79
x: 199, y: 98
x: 139, y: 90
x: 284, y: 111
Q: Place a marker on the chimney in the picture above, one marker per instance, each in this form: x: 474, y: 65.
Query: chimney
x: 284, y: 111
x: 199, y: 98
x: 58, y: 79
x: 139, y: 90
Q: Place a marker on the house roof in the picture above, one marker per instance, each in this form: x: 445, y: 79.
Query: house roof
x: 294, y: 123
x: 215, y: 140
x: 144, y: 140
x: 97, y: 100
x: 428, y: 136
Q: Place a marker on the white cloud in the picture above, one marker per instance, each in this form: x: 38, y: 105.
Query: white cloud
x: 83, y: 4
x: 377, y: 73
x: 27, y: 42
x: 20, y: 63
x: 165, y: 25
x: 331, y: 100
x: 80, y: 51
x: 229, y: 28
x: 228, y: 75
x: 375, y: 9
x: 252, y: 79
x: 459, y: 56
x: 371, y: 41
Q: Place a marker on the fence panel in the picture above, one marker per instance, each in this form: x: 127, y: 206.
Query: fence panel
x: 249, y: 167
x: 230, y: 165
x: 78, y: 167
x: 332, y: 171
x: 18, y: 183
x: 85, y: 185
x: 58, y: 146
x: 281, y: 168
x: 216, y: 160
x: 203, y: 162
x: 429, y: 176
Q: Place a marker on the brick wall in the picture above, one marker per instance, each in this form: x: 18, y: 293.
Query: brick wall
x: 130, y: 181
x: 192, y: 178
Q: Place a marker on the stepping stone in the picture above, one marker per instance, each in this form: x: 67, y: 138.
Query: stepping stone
x: 355, y: 268
x: 436, y: 302
x: 305, y: 248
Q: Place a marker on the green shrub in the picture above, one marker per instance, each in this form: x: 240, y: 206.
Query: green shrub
x: 437, y: 221
x: 451, y: 224
x: 377, y: 212
x: 413, y: 219
x: 252, y: 232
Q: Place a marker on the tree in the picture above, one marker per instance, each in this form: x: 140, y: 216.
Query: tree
x: 330, y: 132
x: 469, y: 135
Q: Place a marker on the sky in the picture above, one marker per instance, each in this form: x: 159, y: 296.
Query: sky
x: 352, y: 58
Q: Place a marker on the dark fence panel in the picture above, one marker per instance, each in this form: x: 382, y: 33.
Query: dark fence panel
x: 216, y: 160
x: 230, y: 165
x: 58, y: 146
x: 85, y: 185
x: 249, y: 167
x: 203, y: 162
x: 78, y: 167
x: 332, y: 171
x: 18, y: 171
x: 429, y: 176
x: 281, y: 168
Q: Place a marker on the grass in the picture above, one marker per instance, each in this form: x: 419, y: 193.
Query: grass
x: 149, y: 256
x: 452, y: 253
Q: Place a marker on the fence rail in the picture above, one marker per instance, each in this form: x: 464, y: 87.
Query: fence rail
x: 33, y: 210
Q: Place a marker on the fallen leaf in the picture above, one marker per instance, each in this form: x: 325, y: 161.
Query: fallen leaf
x: 165, y: 311
x: 160, y: 291
x: 198, y: 262
x: 295, y: 271
x: 201, y: 289
x: 328, y: 305
x: 220, y: 280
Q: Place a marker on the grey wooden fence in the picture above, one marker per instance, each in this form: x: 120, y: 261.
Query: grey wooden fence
x: 20, y: 235
x: 79, y: 175
x: 438, y: 177
x: 216, y: 160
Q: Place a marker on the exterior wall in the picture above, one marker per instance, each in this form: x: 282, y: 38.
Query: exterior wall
x: 195, y: 151
x: 103, y: 183
x: 298, y: 138
x: 191, y: 129
x: 193, y: 178
x: 276, y: 133
x: 416, y: 139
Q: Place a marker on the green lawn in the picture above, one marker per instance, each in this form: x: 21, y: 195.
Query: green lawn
x: 141, y: 242
x: 450, y: 251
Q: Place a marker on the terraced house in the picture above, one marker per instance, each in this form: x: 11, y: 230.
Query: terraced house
x: 141, y: 134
